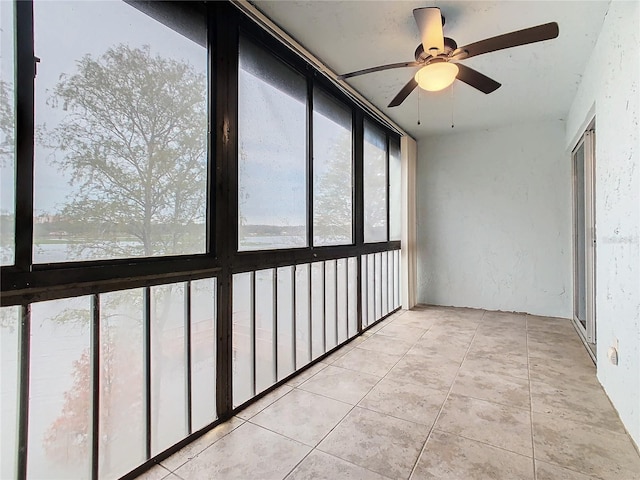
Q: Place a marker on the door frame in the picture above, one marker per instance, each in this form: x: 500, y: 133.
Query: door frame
x: 587, y: 333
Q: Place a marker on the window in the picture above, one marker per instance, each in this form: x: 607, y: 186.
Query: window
x: 9, y: 348
x: 395, y: 190
x: 375, y: 184
x: 272, y: 174
x: 60, y: 389
x: 122, y: 386
x: 203, y: 352
x: 332, y: 171
x: 121, y: 134
x: 7, y: 135
x: 243, y: 337
x: 122, y: 360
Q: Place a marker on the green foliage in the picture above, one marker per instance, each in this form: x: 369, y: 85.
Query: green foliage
x: 134, y: 143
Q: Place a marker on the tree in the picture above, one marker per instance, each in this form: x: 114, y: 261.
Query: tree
x: 134, y: 143
x: 7, y: 149
x: 332, y: 191
x: 7, y: 124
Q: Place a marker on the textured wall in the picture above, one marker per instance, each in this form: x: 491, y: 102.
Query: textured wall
x: 609, y: 88
x: 494, y: 219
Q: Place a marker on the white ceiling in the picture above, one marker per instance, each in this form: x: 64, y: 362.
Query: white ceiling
x: 538, y: 80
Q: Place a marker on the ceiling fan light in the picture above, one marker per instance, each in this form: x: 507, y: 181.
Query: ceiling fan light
x: 436, y: 76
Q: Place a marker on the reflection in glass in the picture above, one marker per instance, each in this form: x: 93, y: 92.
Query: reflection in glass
x: 372, y: 309
x: 330, y: 318
x: 384, y: 283
x: 121, y: 133
x: 352, y: 296
x: 317, y: 309
x: 286, y: 364
x: 395, y: 190
x: 265, y: 360
x: 242, y: 362
x: 364, y: 266
x: 168, y: 378
x: 303, y: 315
x: 60, y: 399
x: 203, y: 352
x: 9, y: 345
x: 341, y: 300
x: 122, y: 411
x: 272, y: 154
x: 375, y: 184
x: 396, y: 286
x: 332, y: 171
x: 7, y: 134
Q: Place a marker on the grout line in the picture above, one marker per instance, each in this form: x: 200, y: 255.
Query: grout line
x: 483, y: 443
x: 533, y: 444
x: 242, y: 422
x: 424, y: 445
x: 349, y: 411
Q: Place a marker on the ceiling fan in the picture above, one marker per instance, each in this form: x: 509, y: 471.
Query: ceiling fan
x: 438, y: 55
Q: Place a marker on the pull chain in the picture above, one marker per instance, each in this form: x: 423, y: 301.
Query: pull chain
x: 452, y: 105
x: 419, y: 105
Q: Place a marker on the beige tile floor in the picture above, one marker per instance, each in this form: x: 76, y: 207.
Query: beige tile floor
x: 435, y: 392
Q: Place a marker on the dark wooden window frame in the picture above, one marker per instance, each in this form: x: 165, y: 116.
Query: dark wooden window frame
x: 25, y: 282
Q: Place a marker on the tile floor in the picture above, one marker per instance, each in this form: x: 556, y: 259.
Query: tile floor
x: 435, y: 392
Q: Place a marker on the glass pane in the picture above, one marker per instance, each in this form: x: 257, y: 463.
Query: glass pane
x: 317, y: 309
x: 242, y: 338
x: 384, y: 284
x: 122, y: 405
x: 352, y: 296
x: 7, y: 134
x: 332, y: 171
x: 378, y: 284
x: 303, y: 315
x: 272, y: 174
x: 371, y: 289
x: 60, y: 390
x: 286, y: 306
x: 168, y: 366
x: 397, y: 284
x: 9, y: 348
x: 341, y: 299
x: 265, y: 358
x: 375, y: 184
x: 121, y: 142
x: 395, y: 190
x: 203, y: 352
x: 330, y: 317
x: 391, y: 257
x: 365, y: 290
x: 580, y: 244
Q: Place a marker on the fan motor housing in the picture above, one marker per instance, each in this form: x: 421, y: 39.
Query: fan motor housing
x: 449, y: 46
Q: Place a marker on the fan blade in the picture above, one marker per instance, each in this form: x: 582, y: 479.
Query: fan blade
x: 404, y: 93
x: 429, y: 22
x: 508, y: 40
x: 378, y: 69
x: 476, y: 79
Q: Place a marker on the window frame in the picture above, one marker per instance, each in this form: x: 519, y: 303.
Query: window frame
x: 25, y: 282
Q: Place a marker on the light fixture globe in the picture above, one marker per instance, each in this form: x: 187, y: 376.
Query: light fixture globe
x: 436, y: 76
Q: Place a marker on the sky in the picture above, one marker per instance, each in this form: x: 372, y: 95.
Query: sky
x: 66, y: 31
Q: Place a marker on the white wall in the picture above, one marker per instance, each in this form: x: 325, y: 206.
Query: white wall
x: 494, y: 220
x: 609, y: 88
